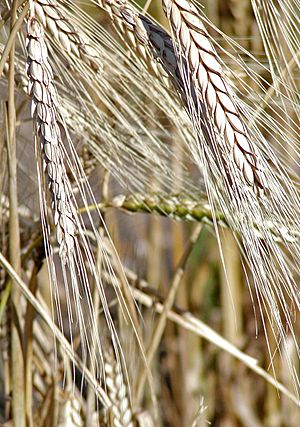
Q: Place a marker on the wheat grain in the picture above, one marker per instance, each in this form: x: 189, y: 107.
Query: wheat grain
x: 70, y: 410
x: 209, y: 79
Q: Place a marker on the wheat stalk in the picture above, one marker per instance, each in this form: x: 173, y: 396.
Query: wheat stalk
x: 211, y: 85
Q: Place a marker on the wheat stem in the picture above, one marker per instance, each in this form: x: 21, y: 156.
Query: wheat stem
x: 17, y: 361
x: 12, y: 37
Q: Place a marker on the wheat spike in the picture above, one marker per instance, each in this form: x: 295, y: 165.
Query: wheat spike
x: 203, y: 62
x: 117, y: 390
x: 69, y: 37
x: 151, y: 43
x: 194, y: 209
x: 74, y: 247
x: 233, y: 171
x: 207, y: 75
x: 69, y: 410
x: 48, y: 137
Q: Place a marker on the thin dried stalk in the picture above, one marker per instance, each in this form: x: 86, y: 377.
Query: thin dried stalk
x: 5, y: 334
x: 206, y: 73
x: 161, y: 323
x: 17, y: 25
x: 17, y: 361
x: 193, y: 324
x: 148, y: 297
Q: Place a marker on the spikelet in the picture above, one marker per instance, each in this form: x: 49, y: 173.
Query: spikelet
x: 70, y: 411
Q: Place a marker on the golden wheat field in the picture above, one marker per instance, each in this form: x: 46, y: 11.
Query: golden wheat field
x: 149, y: 213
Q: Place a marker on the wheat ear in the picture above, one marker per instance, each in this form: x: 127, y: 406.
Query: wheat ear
x: 53, y: 18
x: 70, y: 230
x: 206, y: 72
x: 151, y: 43
x: 117, y: 390
x: 47, y: 136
